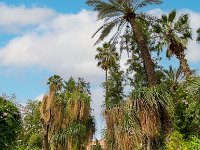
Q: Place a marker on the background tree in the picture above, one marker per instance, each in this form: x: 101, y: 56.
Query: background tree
x: 10, y: 124
x: 31, y: 135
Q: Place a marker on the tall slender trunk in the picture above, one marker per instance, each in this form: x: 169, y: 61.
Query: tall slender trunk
x: 183, y: 63
x: 145, y: 53
x: 147, y: 143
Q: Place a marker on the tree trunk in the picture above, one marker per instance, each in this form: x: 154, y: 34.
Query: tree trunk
x: 106, y: 95
x: 183, y: 63
x: 46, y: 145
x: 145, y: 53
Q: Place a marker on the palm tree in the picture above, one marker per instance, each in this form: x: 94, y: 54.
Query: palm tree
x: 55, y: 84
x: 175, y: 33
x: 120, y: 13
x: 107, y: 57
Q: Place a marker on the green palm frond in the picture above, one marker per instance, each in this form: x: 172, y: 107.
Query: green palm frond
x: 115, y: 14
x: 144, y: 3
x: 151, y: 96
x: 107, y: 28
x: 172, y: 16
x: 198, y: 35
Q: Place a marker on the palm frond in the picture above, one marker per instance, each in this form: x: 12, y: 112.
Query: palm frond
x: 198, y: 35
x: 107, y: 28
x: 172, y: 16
x: 144, y: 3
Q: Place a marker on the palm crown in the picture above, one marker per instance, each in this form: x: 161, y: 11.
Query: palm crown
x: 55, y: 82
x: 106, y: 56
x: 117, y: 13
x: 175, y: 33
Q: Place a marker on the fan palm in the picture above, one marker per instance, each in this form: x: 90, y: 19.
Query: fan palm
x: 175, y: 33
x: 55, y: 83
x: 107, y: 57
x: 120, y: 13
x: 47, y: 112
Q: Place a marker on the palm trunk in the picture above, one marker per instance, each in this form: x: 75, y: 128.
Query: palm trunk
x: 106, y: 95
x: 147, y: 143
x: 183, y: 63
x: 109, y: 123
x: 46, y: 145
x: 145, y: 53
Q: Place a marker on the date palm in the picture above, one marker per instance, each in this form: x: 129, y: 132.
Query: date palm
x: 175, y: 33
x: 120, y: 13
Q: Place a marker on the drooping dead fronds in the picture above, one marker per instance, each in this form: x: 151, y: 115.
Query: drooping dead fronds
x: 123, y: 128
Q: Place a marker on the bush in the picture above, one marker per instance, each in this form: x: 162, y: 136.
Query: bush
x: 176, y: 141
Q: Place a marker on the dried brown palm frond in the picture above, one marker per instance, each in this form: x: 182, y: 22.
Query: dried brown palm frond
x: 123, y: 129
x: 44, y: 109
x: 153, y: 107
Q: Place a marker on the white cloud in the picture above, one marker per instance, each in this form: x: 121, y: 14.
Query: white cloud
x: 63, y: 45
x: 15, y: 18
x: 39, y: 97
x: 97, y: 102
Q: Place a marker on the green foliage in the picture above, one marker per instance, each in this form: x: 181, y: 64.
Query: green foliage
x: 176, y: 141
x: 116, y: 15
x: 31, y: 135
x: 187, y: 103
x: 71, y: 125
x: 115, y: 88
x: 198, y: 35
x: 10, y: 123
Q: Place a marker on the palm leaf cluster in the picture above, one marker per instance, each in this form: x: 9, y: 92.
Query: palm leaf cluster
x: 174, y: 33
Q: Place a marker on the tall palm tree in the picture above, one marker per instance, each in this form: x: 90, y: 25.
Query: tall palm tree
x: 175, y: 33
x: 107, y: 57
x: 120, y: 13
x: 47, y: 113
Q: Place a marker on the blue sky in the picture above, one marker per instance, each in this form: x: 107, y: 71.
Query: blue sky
x: 40, y: 38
